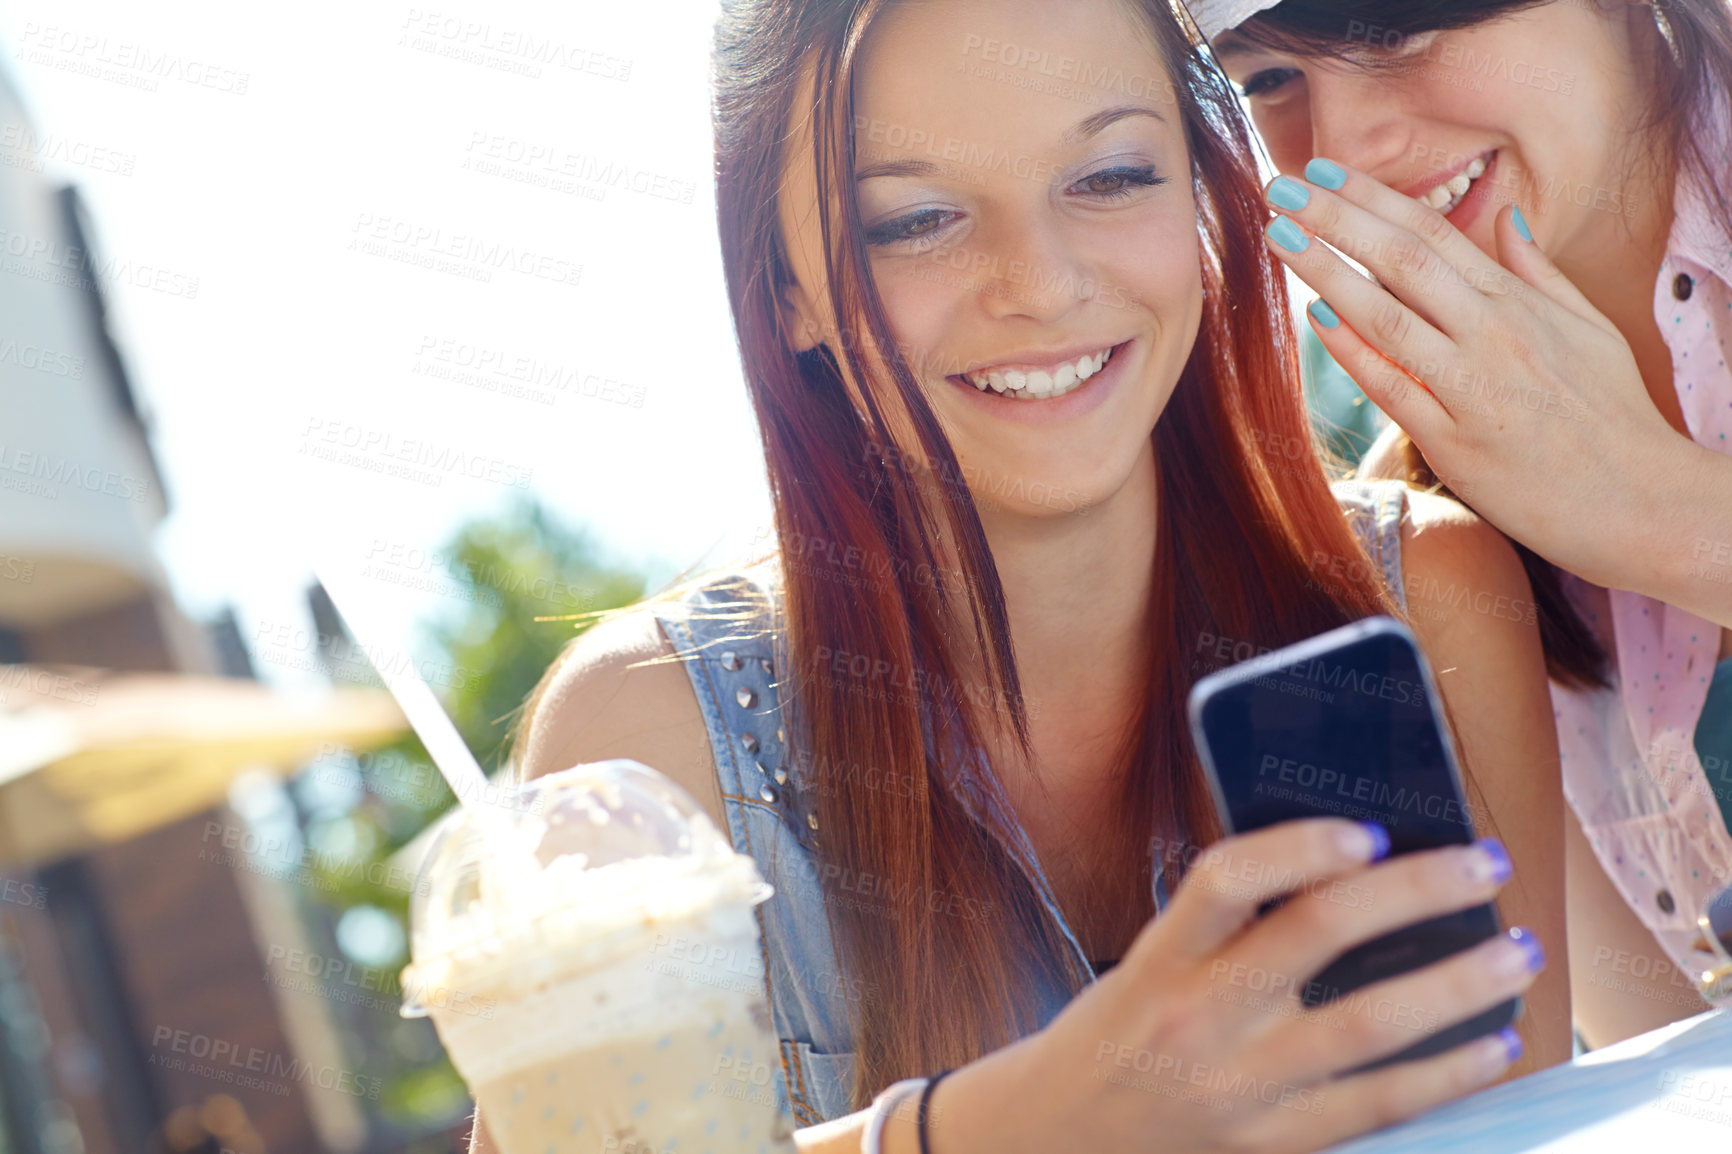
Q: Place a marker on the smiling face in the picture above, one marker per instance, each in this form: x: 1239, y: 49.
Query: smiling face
x: 1537, y: 108
x: 1025, y: 195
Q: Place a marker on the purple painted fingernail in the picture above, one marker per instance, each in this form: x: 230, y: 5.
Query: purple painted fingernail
x: 1524, y: 937
x: 1497, y: 860
x: 1379, y: 840
x: 1512, y: 1043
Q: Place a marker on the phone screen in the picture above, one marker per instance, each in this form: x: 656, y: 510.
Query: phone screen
x: 1346, y: 725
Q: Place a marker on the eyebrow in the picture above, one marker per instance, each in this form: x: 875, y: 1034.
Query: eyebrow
x: 1232, y: 44
x: 894, y: 168
x: 1086, y: 129
x: 1098, y: 123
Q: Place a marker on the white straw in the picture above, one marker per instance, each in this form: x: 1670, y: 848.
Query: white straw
x: 426, y: 716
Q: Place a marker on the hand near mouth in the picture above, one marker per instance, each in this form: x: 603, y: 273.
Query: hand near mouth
x: 1524, y: 399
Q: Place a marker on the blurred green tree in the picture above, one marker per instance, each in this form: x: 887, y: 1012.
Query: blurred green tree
x: 522, y: 569
x: 1343, y: 419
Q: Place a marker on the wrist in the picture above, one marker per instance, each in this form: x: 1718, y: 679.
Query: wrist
x: 1684, y: 542
x: 901, y: 1132
x: 892, y: 1128
x: 980, y: 1107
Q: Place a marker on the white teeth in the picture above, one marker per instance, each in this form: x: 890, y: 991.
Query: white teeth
x: 1447, y: 196
x: 1039, y: 383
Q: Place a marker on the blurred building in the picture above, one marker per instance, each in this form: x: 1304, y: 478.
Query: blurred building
x: 132, y: 971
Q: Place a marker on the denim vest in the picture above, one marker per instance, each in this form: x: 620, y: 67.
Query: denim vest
x: 729, y: 634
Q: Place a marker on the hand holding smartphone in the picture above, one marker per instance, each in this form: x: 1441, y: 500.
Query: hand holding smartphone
x: 1348, y: 724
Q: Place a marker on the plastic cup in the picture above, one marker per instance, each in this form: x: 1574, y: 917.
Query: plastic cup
x: 589, y: 956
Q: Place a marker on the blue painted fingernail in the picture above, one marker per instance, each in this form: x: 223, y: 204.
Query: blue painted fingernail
x: 1288, y: 194
x: 1524, y: 937
x: 1521, y: 223
x: 1379, y: 835
x: 1288, y: 235
x: 1501, y: 867
x: 1324, y: 315
x: 1325, y: 174
x: 1512, y: 1043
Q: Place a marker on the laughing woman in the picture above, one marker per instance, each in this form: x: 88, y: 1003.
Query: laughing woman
x: 1582, y: 404
x: 1030, y: 410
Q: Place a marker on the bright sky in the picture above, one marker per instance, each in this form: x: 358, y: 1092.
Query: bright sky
x: 411, y: 261
x: 397, y: 215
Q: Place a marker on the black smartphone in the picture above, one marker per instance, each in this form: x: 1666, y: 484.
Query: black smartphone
x: 1347, y: 724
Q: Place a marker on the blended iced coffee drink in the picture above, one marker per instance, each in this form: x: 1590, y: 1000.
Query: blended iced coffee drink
x: 590, y: 959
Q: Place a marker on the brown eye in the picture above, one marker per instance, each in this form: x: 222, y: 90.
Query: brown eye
x: 1120, y: 181
x: 914, y: 226
x: 1266, y: 81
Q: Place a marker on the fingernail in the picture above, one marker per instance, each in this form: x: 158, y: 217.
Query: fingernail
x: 1490, y: 862
x: 1325, y: 174
x: 1512, y: 1044
x: 1288, y: 235
x: 1379, y: 839
x: 1288, y: 194
x: 1325, y: 316
x: 1535, y: 953
x: 1521, y: 225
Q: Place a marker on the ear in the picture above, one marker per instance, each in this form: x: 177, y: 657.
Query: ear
x: 800, y: 327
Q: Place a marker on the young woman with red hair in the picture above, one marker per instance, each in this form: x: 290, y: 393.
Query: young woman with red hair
x: 1032, y: 422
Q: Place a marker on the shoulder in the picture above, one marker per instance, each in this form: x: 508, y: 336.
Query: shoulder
x: 1444, y: 538
x: 1387, y: 458
x: 1467, y: 591
x: 620, y: 690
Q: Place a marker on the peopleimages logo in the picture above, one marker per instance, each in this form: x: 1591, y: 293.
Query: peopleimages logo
x: 335, y: 978
x: 39, y: 681
x: 385, y: 445
x: 42, y: 360
x: 1383, y: 795
x: 223, y: 1060
x: 62, y: 471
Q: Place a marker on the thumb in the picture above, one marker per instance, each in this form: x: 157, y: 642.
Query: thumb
x: 1518, y: 252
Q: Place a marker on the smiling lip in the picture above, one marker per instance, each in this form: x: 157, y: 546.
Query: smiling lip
x: 1420, y: 189
x: 1084, y: 398
x: 1040, y: 381
x: 1038, y: 361
x: 1480, y: 198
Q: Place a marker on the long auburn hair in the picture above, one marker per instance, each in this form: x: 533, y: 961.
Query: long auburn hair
x: 1239, y: 531
x: 1691, y: 79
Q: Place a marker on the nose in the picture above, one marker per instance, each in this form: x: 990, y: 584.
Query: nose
x: 1029, y: 269
x: 1357, y: 117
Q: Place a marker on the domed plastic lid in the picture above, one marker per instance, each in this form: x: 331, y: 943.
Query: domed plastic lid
x: 564, y: 873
